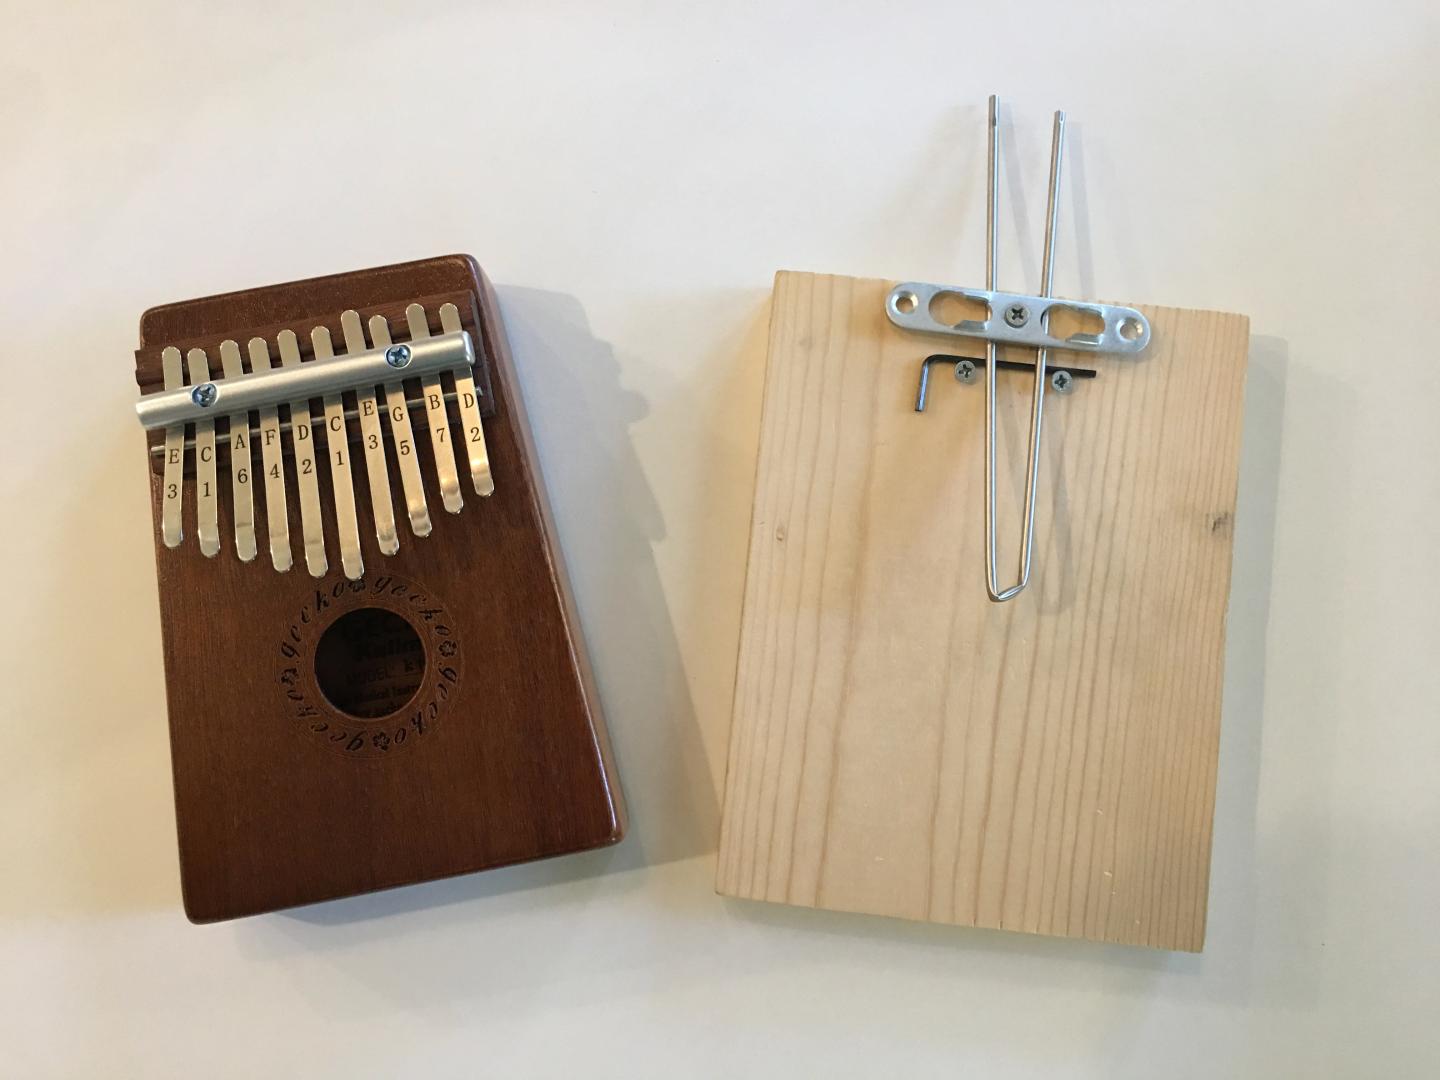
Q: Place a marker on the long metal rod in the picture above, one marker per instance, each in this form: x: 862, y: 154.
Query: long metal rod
x: 1037, y: 404
x: 992, y: 215
x: 423, y: 358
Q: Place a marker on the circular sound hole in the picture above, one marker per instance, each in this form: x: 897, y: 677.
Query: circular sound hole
x: 369, y: 663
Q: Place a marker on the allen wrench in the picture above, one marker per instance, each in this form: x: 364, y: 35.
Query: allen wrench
x: 965, y: 367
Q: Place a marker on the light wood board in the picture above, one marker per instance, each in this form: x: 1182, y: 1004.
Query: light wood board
x: 902, y: 746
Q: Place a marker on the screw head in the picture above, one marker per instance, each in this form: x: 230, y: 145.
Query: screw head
x: 397, y: 356
x: 1063, y: 382
x: 965, y: 371
x: 204, y: 395
x: 1017, y: 315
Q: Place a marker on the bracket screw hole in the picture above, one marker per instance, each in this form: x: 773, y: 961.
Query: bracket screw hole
x: 1017, y: 315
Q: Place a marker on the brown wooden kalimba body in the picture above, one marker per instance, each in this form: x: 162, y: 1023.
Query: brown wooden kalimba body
x: 361, y: 697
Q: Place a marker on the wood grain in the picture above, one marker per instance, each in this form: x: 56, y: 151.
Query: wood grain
x: 900, y: 745
x: 282, y: 799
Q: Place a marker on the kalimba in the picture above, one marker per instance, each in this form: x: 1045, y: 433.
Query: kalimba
x: 374, y: 668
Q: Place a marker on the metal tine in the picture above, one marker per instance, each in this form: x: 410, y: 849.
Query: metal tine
x: 303, y: 446
x: 398, y: 412
x: 207, y: 518
x: 277, y: 518
x: 241, y: 463
x: 1057, y: 149
x: 377, y: 472
x: 337, y: 449
x: 439, y: 419
x: 467, y: 397
x: 172, y: 529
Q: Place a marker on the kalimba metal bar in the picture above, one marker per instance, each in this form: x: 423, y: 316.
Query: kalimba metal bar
x: 372, y: 441
x: 437, y: 416
x: 203, y: 401
x: 399, y: 409
x: 207, y: 484
x: 173, y: 448
x: 468, y: 399
x: 241, y: 462
x: 268, y: 435
x: 300, y: 433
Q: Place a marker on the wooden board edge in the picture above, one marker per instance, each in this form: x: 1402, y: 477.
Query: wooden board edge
x: 731, y: 742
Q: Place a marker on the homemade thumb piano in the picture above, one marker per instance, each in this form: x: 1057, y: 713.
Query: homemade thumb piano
x: 374, y: 668
x: 980, y: 669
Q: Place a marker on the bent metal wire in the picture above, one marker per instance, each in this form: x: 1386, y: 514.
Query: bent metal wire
x: 1016, y: 319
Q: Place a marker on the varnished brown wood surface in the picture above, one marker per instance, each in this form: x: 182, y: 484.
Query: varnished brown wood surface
x: 900, y: 745
x: 515, y: 765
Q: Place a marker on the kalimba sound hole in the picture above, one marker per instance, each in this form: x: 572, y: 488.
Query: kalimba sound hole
x: 369, y: 663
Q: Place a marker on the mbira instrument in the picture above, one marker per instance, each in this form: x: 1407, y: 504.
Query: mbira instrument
x: 919, y: 731
x: 374, y: 669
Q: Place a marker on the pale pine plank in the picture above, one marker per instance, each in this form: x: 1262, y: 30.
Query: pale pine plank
x: 903, y: 747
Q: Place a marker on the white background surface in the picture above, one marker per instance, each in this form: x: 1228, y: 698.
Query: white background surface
x: 631, y: 178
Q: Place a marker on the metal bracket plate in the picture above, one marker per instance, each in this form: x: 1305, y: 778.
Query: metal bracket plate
x: 1019, y: 319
